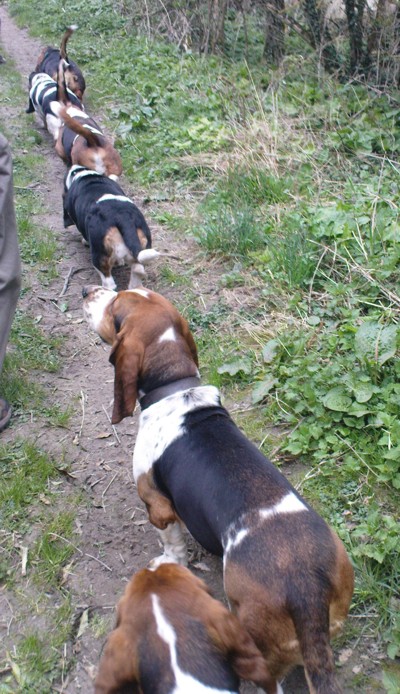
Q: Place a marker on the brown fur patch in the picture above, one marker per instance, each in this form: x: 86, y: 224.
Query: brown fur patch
x: 142, y: 238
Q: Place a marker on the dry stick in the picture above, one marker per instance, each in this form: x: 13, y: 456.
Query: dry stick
x: 71, y: 272
x: 112, y: 425
x: 99, y: 561
x: 66, y: 283
x: 106, y: 490
x: 83, y: 413
x: 64, y: 539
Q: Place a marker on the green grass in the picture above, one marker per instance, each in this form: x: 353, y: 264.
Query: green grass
x: 34, y: 525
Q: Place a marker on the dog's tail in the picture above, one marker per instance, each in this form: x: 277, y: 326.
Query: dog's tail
x: 63, y: 47
x: 147, y: 256
x: 313, y: 633
x: 62, y: 94
x: 94, y: 137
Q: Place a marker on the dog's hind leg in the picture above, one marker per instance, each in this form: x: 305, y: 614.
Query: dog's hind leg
x: 175, y: 549
x: 163, y: 515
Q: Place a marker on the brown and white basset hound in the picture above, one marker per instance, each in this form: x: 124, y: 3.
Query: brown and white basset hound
x: 286, y: 573
x: 172, y: 636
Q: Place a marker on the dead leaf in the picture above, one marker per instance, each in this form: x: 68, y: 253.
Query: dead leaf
x: 103, y: 435
x: 24, y: 560
x: 201, y: 566
x: 66, y: 572
x: 139, y: 522
x: 44, y: 500
x: 83, y: 623
x: 345, y: 655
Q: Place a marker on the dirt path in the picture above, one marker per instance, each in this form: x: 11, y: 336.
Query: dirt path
x: 114, y: 536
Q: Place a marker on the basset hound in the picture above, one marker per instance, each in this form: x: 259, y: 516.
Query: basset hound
x: 48, y: 62
x: 111, y: 224
x: 81, y: 141
x: 287, y: 575
x: 172, y: 636
x: 44, y: 99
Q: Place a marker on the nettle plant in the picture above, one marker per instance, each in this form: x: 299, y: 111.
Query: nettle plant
x: 339, y: 386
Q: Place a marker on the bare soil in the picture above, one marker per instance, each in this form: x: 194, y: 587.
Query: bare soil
x: 114, y: 538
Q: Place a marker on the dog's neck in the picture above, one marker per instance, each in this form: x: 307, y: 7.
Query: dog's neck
x: 161, y: 392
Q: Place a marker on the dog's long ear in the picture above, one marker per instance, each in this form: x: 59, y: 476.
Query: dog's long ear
x: 118, y: 665
x: 190, y: 340
x: 235, y: 642
x: 126, y: 356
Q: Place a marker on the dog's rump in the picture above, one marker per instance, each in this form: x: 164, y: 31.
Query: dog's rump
x: 206, y: 472
x: 95, y: 203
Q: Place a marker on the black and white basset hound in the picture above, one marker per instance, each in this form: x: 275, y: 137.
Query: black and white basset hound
x: 286, y: 573
x: 49, y: 59
x: 172, y: 636
x: 45, y: 100
x: 109, y: 222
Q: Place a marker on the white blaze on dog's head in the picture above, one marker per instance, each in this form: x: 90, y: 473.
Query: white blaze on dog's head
x: 96, y: 309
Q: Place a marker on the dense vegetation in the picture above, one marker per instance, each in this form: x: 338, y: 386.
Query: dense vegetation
x: 290, y: 178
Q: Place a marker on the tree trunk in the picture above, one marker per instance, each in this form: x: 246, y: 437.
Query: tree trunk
x: 320, y: 36
x: 274, y: 46
x: 214, y: 35
x: 354, y: 14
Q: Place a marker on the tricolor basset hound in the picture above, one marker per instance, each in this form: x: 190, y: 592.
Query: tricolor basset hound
x: 172, y: 636
x: 48, y: 62
x: 81, y: 141
x: 44, y: 99
x: 286, y: 573
x: 109, y: 222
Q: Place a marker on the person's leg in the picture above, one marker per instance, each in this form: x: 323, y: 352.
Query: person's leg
x: 10, y: 266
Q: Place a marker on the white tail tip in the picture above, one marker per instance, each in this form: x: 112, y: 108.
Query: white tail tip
x: 147, y: 256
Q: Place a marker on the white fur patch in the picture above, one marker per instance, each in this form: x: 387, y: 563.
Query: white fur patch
x: 168, y: 336
x: 74, y: 175
x: 184, y: 682
x: 99, y: 164
x: 163, y: 423
x: 137, y: 275
x: 234, y: 538
x: 92, y: 129
x: 142, y: 292
x: 110, y: 196
x: 147, y: 255
x: 107, y: 282
x: 288, y: 504
x: 76, y: 112
x: 94, y: 309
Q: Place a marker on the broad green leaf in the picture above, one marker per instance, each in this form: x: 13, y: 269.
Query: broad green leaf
x: 336, y: 399
x: 262, y: 389
x: 234, y: 367
x: 269, y: 350
x: 363, y: 391
x: 375, y: 342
